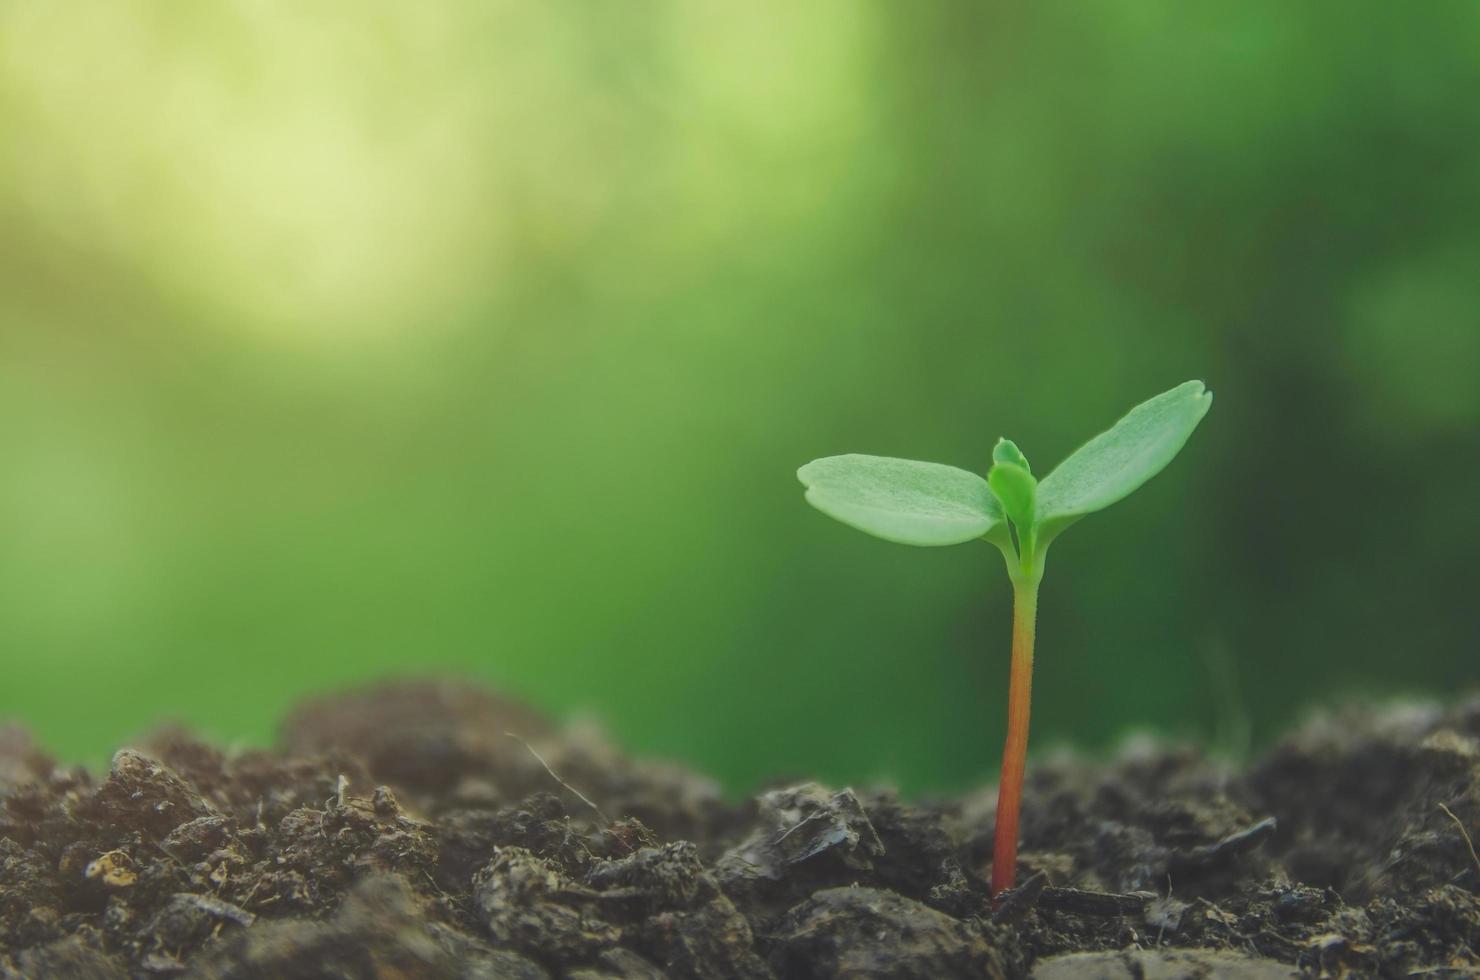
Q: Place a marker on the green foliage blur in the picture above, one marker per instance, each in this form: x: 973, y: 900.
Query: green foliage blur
x: 342, y: 340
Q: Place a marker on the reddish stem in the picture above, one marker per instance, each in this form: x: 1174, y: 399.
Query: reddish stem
x: 1015, y: 752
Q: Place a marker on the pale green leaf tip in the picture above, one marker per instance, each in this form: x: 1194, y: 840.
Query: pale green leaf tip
x: 1006, y: 451
x: 1200, y: 393
x: 1197, y: 389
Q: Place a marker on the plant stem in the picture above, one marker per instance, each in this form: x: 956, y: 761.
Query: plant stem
x: 1015, y: 752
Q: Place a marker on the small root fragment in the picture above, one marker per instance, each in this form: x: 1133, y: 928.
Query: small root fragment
x: 553, y: 775
x: 1463, y: 833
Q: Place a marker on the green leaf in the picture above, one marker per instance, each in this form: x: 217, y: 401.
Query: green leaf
x: 1006, y: 451
x: 902, y: 500
x: 1115, y: 463
x: 1015, y: 487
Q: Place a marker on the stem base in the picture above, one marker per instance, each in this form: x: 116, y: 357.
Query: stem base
x: 1015, y: 751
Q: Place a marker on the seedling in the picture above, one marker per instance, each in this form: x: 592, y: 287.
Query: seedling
x: 930, y: 504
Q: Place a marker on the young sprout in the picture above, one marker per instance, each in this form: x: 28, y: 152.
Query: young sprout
x: 917, y: 503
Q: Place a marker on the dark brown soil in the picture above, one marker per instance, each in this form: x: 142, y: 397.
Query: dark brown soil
x: 401, y: 832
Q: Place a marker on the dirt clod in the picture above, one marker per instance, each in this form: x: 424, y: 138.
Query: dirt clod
x: 866, y: 932
x: 1141, y: 964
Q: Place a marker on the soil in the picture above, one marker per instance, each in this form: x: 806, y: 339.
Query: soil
x: 402, y: 832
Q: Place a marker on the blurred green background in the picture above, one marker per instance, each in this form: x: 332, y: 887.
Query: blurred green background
x: 340, y: 340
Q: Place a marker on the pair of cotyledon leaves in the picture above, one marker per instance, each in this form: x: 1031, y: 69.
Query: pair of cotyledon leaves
x: 919, y: 503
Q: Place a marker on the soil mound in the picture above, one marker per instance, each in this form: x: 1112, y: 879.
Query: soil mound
x: 402, y: 831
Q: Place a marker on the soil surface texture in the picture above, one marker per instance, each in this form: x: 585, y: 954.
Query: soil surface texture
x: 402, y: 831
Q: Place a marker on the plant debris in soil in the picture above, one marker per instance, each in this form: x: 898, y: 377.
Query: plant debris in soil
x: 402, y: 832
